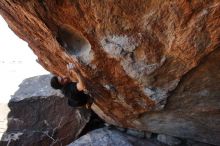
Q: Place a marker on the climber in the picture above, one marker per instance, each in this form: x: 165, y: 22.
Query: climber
x: 75, y: 97
x: 72, y: 90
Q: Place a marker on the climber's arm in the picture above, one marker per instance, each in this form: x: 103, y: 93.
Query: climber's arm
x: 79, y: 79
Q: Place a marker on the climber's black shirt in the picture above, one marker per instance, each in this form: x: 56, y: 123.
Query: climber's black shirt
x: 75, y: 98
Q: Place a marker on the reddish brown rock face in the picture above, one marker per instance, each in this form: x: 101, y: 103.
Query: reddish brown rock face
x: 131, y: 55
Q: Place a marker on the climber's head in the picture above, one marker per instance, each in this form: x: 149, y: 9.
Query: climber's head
x: 58, y: 82
x: 54, y: 82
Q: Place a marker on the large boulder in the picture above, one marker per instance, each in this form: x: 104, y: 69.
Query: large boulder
x: 41, y: 116
x: 149, y: 64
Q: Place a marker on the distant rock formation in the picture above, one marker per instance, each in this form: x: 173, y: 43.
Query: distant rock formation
x: 150, y: 65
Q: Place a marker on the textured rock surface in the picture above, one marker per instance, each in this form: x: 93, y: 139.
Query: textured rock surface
x: 169, y: 140
x: 107, y: 137
x: 115, y: 136
x: 151, y: 65
x: 193, y: 109
x: 41, y: 116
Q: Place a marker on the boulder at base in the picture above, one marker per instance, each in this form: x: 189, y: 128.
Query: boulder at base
x: 41, y: 116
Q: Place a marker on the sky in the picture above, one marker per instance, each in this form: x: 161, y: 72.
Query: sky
x: 17, y: 62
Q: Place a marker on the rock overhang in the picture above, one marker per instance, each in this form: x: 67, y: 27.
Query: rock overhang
x: 133, y: 55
